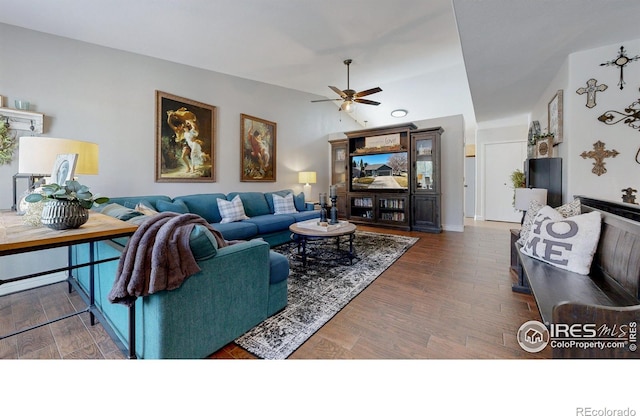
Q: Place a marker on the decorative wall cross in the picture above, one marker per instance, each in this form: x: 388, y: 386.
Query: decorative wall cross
x: 591, y: 91
x: 599, y: 154
x: 621, y: 61
x: 631, y: 118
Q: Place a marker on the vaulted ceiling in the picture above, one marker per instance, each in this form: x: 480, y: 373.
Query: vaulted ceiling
x: 485, y: 59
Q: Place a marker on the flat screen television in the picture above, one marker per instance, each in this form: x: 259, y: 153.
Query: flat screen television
x: 382, y: 171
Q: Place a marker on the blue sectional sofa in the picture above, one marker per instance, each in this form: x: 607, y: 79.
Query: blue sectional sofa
x: 239, y: 286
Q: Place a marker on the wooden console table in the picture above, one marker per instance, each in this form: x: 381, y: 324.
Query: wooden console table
x: 15, y: 237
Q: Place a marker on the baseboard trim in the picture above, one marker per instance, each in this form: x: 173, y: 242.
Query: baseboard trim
x: 27, y: 284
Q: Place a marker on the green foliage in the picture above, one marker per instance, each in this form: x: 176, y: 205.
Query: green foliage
x: 70, y: 191
x: 517, y: 179
x: 7, y: 145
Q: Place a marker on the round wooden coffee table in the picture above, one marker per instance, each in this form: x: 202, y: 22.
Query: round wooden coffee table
x: 306, y: 231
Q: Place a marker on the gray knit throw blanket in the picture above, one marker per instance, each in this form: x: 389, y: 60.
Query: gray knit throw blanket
x: 158, y: 257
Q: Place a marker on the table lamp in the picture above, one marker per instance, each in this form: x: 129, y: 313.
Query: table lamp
x: 524, y: 197
x: 307, y: 178
x: 37, y: 155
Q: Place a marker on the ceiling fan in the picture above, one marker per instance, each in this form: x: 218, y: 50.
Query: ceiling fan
x: 350, y: 96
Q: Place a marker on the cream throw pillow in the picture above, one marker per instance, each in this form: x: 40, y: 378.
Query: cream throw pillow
x: 567, y: 243
x: 567, y: 210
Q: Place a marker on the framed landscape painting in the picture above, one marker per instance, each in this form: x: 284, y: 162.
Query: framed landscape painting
x: 258, y: 149
x: 185, y: 139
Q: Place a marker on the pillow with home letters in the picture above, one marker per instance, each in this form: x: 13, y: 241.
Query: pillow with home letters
x: 283, y: 204
x: 231, y: 211
x: 567, y: 210
x: 567, y: 243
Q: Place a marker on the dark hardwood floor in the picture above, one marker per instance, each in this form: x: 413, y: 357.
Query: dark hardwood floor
x: 449, y: 296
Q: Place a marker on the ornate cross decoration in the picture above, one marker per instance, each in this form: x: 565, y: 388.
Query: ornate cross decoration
x: 632, y: 118
x: 621, y: 61
x: 599, y: 154
x: 591, y: 91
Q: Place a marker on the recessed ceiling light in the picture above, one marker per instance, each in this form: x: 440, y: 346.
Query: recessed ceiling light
x: 399, y: 113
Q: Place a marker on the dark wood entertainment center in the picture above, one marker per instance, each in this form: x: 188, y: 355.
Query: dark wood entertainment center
x: 389, y: 176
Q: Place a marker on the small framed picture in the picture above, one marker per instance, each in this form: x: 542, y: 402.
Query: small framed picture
x: 64, y: 168
x: 555, y: 117
x: 258, y: 144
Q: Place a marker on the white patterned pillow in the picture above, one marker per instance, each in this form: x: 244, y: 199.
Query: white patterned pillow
x: 231, y: 211
x: 283, y: 204
x: 567, y: 210
x: 567, y: 243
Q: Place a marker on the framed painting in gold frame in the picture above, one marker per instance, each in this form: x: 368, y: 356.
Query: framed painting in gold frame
x: 185, y: 139
x: 258, y: 149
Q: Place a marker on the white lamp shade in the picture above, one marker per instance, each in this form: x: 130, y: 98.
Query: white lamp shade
x: 306, y: 177
x: 37, y: 155
x: 524, y: 196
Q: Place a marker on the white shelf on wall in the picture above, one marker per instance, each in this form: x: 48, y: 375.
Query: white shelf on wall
x: 22, y: 120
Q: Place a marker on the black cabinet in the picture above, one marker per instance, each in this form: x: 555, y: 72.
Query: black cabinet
x: 425, y: 180
x: 545, y: 173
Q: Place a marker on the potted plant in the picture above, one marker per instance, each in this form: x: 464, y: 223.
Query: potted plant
x: 518, y: 180
x: 66, y: 205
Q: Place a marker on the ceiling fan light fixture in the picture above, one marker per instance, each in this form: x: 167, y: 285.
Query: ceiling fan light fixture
x: 399, y: 113
x: 347, y: 106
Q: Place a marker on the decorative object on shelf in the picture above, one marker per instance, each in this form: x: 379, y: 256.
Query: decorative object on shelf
x: 333, y: 195
x: 534, y: 132
x: 591, y: 90
x: 307, y: 178
x: 22, y: 105
x: 599, y: 154
x: 66, y: 205
x: 185, y: 139
x: 621, y: 61
x: 628, y: 196
x: 555, y: 116
x: 524, y: 196
x: 258, y: 145
x: 544, y: 145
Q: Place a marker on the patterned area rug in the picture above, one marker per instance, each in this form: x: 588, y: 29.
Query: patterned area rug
x: 321, y: 290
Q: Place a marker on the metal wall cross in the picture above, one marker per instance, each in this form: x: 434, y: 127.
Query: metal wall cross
x: 621, y: 61
x: 599, y: 154
x: 590, y: 90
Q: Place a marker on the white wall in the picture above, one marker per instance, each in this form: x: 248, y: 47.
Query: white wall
x: 451, y: 169
x: 582, y: 128
x: 92, y: 93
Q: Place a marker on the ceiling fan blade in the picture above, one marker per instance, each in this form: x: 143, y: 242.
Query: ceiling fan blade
x: 330, y: 99
x: 363, y: 101
x: 338, y: 91
x: 367, y: 92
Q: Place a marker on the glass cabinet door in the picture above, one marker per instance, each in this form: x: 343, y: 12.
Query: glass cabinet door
x: 424, y: 178
x: 339, y: 162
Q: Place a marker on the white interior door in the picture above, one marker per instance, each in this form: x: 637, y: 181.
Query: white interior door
x: 501, y: 159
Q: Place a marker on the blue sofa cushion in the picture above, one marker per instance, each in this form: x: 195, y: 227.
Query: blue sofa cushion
x: 132, y: 201
x: 298, y: 200
x: 271, y: 223
x: 306, y: 215
x: 254, y: 203
x: 120, y: 212
x: 174, y: 206
x: 278, y: 267
x: 205, y: 205
x: 239, y: 230
x: 202, y: 243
